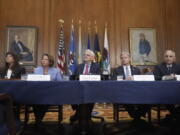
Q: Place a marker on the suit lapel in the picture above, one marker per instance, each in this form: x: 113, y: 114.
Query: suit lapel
x: 165, y: 69
x: 121, y: 71
x: 82, y: 68
x: 132, y: 70
x: 91, y: 68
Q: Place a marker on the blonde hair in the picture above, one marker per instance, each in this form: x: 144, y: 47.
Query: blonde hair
x: 90, y: 52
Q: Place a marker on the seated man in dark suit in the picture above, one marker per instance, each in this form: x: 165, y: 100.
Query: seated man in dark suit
x: 127, y: 71
x: 6, y: 113
x: 86, y: 68
x: 167, y: 71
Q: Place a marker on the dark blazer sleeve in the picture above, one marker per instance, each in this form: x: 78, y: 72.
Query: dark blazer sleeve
x: 75, y: 75
x: 135, y: 71
x: 16, y: 74
x: 117, y: 71
x: 157, y: 73
x: 95, y: 68
x: 114, y: 74
x: 178, y: 69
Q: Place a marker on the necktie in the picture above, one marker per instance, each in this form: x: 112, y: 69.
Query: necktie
x: 127, y: 72
x: 86, y: 69
x: 169, y: 69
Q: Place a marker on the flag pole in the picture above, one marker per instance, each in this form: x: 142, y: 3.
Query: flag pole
x: 80, y: 44
x: 96, y: 30
x: 89, y: 33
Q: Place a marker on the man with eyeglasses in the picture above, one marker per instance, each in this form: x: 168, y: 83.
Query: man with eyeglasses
x: 168, y: 70
x: 88, y: 67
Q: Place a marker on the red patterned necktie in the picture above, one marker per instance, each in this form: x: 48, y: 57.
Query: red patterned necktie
x: 86, y: 69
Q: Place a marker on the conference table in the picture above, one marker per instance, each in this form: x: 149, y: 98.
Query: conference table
x: 82, y: 92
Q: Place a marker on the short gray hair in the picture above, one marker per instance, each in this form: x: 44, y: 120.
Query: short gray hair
x: 125, y: 52
x: 173, y: 52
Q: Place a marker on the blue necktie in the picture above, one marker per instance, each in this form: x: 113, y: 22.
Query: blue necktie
x: 169, y: 69
x: 127, y: 72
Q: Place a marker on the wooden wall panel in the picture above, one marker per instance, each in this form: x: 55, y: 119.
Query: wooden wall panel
x: 164, y: 15
x: 101, y: 11
x: 25, y: 13
x: 173, y: 26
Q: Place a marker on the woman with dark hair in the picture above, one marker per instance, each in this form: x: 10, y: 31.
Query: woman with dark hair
x: 46, y: 68
x: 12, y: 69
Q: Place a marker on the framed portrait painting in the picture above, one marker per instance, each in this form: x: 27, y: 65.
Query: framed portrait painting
x: 22, y: 41
x: 143, y: 46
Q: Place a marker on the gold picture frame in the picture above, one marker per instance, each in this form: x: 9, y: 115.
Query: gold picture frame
x: 143, y: 46
x: 22, y: 41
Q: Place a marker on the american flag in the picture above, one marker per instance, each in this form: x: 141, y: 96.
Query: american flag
x: 61, y: 52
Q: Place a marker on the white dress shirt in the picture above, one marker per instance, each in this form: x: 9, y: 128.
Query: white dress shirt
x: 129, y: 69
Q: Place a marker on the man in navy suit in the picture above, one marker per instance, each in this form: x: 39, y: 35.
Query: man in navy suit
x: 86, y: 68
x: 127, y: 71
x: 168, y: 67
x: 144, y: 48
x: 18, y: 48
x: 167, y: 71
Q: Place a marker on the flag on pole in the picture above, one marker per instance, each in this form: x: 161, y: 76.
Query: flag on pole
x: 97, y: 49
x: 61, y: 50
x: 106, y: 58
x: 80, y: 44
x: 72, y: 53
x: 89, y: 42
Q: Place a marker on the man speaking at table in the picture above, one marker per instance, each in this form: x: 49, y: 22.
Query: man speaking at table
x: 127, y: 71
x: 168, y: 70
x: 86, y: 68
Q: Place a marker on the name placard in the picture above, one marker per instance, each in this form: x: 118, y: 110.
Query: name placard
x: 119, y: 78
x: 33, y: 77
x: 89, y: 78
x: 143, y: 77
x: 178, y: 77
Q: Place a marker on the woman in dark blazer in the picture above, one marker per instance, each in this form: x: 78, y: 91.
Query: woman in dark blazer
x: 12, y: 69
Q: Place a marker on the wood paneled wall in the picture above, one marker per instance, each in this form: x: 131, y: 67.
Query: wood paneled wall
x: 163, y: 15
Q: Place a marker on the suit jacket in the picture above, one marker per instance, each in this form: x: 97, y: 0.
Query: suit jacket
x: 162, y: 70
x: 94, y: 69
x: 144, y: 47
x: 15, y: 49
x: 120, y: 71
x: 16, y: 73
x: 52, y: 71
